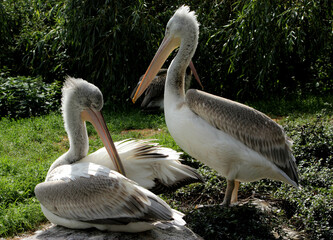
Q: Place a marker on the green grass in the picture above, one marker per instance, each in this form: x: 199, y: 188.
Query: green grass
x: 29, y: 146
x: 298, y: 106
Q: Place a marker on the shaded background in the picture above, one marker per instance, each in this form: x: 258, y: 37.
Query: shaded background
x: 247, y: 49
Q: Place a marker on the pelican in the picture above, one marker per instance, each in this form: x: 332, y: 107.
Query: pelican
x: 83, y: 195
x: 153, y: 167
x: 241, y: 143
x: 154, y: 99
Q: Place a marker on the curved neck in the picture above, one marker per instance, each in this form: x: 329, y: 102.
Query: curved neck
x: 175, y: 85
x: 78, y: 138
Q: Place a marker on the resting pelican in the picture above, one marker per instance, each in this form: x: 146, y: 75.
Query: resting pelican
x: 154, y: 94
x: 241, y: 143
x: 81, y: 195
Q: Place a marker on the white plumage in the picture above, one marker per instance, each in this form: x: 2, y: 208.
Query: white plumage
x: 150, y: 165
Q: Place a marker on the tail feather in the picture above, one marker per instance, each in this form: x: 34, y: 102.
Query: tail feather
x: 156, y: 168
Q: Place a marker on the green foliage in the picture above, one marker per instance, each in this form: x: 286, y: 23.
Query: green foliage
x: 109, y: 42
x: 247, y: 49
x: 25, y: 97
x: 21, y: 216
x: 300, y: 105
x: 314, y: 141
x: 268, y: 48
x: 313, y: 150
x: 32, y: 39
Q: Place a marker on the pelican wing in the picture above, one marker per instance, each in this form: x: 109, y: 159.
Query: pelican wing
x: 253, y: 128
x: 156, y: 88
x: 92, y: 193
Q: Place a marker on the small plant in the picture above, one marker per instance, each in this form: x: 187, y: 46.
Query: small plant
x: 25, y: 96
x: 313, y: 203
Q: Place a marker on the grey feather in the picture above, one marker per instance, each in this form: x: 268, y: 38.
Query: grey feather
x: 253, y: 128
x: 99, y: 199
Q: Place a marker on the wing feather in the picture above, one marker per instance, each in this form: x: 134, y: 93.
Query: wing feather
x: 253, y: 128
x: 162, y: 165
x: 155, y: 88
x: 99, y: 198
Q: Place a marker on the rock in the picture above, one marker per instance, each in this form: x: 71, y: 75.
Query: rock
x: 61, y: 233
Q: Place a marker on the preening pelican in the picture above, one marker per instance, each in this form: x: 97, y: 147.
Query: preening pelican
x: 81, y: 195
x: 154, y: 94
x: 241, y: 143
x: 153, y: 167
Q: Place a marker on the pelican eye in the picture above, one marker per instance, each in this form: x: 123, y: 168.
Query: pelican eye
x: 94, y: 106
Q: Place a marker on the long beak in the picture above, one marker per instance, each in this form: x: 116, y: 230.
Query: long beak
x: 167, y: 46
x: 194, y: 71
x: 97, y: 120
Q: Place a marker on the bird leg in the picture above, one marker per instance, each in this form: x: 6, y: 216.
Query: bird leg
x: 234, y: 196
x: 228, y: 192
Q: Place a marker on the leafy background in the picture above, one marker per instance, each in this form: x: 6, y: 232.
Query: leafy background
x: 247, y: 49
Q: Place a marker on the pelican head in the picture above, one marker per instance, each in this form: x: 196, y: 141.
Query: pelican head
x: 79, y: 95
x: 183, y: 25
x: 83, y: 101
x: 181, y: 31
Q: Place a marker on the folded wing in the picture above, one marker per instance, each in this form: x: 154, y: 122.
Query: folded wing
x: 253, y: 128
x: 99, y: 195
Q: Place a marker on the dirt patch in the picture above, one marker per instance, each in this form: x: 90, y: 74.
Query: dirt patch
x: 277, y: 119
x: 142, y: 132
x: 62, y: 144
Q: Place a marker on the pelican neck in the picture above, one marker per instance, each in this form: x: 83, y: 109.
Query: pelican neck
x: 175, y: 81
x: 78, y: 139
x: 77, y: 135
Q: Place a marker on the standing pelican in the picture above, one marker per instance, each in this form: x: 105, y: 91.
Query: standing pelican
x: 239, y: 142
x: 154, y: 94
x: 81, y: 195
